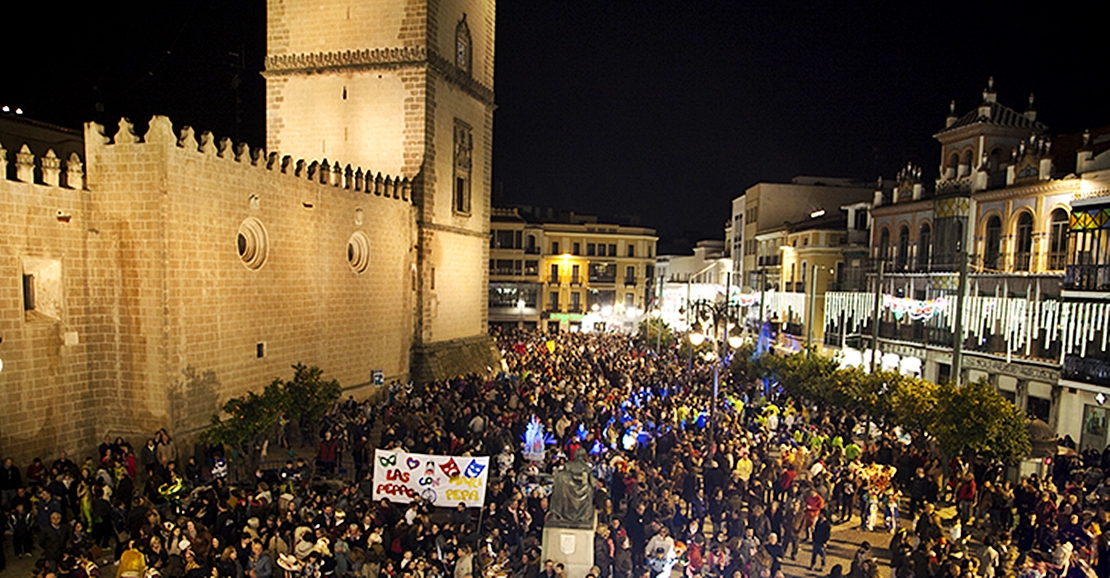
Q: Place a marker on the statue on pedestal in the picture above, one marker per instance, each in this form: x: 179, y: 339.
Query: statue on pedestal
x: 572, y: 499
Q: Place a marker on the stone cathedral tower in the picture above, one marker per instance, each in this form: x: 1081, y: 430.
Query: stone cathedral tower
x: 404, y: 87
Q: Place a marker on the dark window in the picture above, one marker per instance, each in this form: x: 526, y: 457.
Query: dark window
x: 612, y: 249
x: 992, y: 245
x: 1023, y: 250
x: 576, y: 249
x: 554, y: 274
x: 884, y: 244
x: 28, y: 292
x: 554, y: 247
x: 591, y: 249
x: 631, y: 250
x: 903, y: 257
x: 924, y: 246
x: 1058, y: 240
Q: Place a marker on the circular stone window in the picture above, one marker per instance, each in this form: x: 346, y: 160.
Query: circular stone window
x: 252, y: 243
x: 358, y: 251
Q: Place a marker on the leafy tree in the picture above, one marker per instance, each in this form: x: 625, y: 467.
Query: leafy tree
x: 976, y: 420
x: 253, y: 418
x: 307, y: 397
x: 913, y: 406
x: 656, y: 331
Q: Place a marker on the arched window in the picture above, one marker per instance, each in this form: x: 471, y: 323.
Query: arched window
x: 903, y: 256
x: 953, y: 164
x: 924, y: 247
x: 965, y: 163
x: 1023, y: 249
x: 994, y: 162
x: 884, y: 245
x: 463, y: 47
x: 992, y: 244
x: 1058, y: 240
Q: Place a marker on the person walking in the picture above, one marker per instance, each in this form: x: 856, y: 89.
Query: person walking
x: 822, y: 532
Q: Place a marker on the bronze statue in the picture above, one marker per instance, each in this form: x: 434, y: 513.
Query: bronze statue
x: 572, y: 503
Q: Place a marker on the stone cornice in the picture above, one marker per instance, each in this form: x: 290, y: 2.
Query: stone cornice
x: 1051, y: 186
x: 377, y: 58
x: 277, y: 64
x: 452, y: 229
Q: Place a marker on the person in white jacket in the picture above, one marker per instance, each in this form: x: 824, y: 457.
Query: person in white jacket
x: 660, y: 553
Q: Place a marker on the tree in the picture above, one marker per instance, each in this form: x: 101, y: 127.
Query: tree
x: 976, y: 420
x: 913, y: 406
x: 253, y: 418
x: 654, y: 331
x: 307, y: 397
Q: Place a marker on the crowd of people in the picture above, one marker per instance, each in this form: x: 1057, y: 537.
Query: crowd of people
x: 731, y: 491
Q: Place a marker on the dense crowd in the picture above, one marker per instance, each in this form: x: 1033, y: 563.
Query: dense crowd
x: 726, y: 493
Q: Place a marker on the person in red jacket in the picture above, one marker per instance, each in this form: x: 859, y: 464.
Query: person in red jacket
x: 814, y: 505
x: 966, y: 492
x: 326, y: 454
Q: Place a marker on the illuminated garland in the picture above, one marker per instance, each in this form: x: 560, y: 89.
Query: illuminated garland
x: 916, y: 309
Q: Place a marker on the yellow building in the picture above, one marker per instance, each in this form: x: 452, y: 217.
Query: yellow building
x: 596, y: 276
x: 568, y: 276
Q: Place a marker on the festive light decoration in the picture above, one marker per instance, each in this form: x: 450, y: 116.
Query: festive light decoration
x: 1073, y: 326
x: 747, y: 299
x: 535, y: 439
x: 916, y: 309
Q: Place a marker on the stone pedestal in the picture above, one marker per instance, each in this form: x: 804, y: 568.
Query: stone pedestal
x: 571, y: 547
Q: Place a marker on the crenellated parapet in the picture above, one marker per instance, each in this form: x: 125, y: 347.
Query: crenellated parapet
x: 46, y: 170
x: 323, y: 172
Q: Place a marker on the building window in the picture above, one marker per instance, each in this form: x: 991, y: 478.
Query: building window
x: 576, y: 249
x: 992, y: 244
x: 554, y: 247
x: 358, y: 252
x: 924, y: 246
x: 575, y: 270
x: 575, y: 302
x: 464, y: 146
x: 591, y: 249
x: 903, y: 256
x: 630, y: 275
x: 1024, y: 249
x: 553, y: 301
x: 600, y: 250
x: 1058, y: 240
x: 464, y: 49
x: 554, y: 274
x: 631, y: 250
x: 612, y: 249
x: 252, y: 243
x: 884, y: 244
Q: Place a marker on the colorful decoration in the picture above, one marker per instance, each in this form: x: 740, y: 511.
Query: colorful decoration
x: 1072, y: 326
x: 916, y: 309
x: 535, y: 440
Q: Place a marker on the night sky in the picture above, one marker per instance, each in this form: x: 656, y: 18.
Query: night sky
x: 666, y: 110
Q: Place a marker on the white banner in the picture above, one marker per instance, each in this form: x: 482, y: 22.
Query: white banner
x: 442, y: 480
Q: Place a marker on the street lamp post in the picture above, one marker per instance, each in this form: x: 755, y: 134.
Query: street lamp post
x: 723, y: 318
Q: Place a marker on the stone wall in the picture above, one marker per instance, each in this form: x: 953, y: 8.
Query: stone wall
x: 161, y: 311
